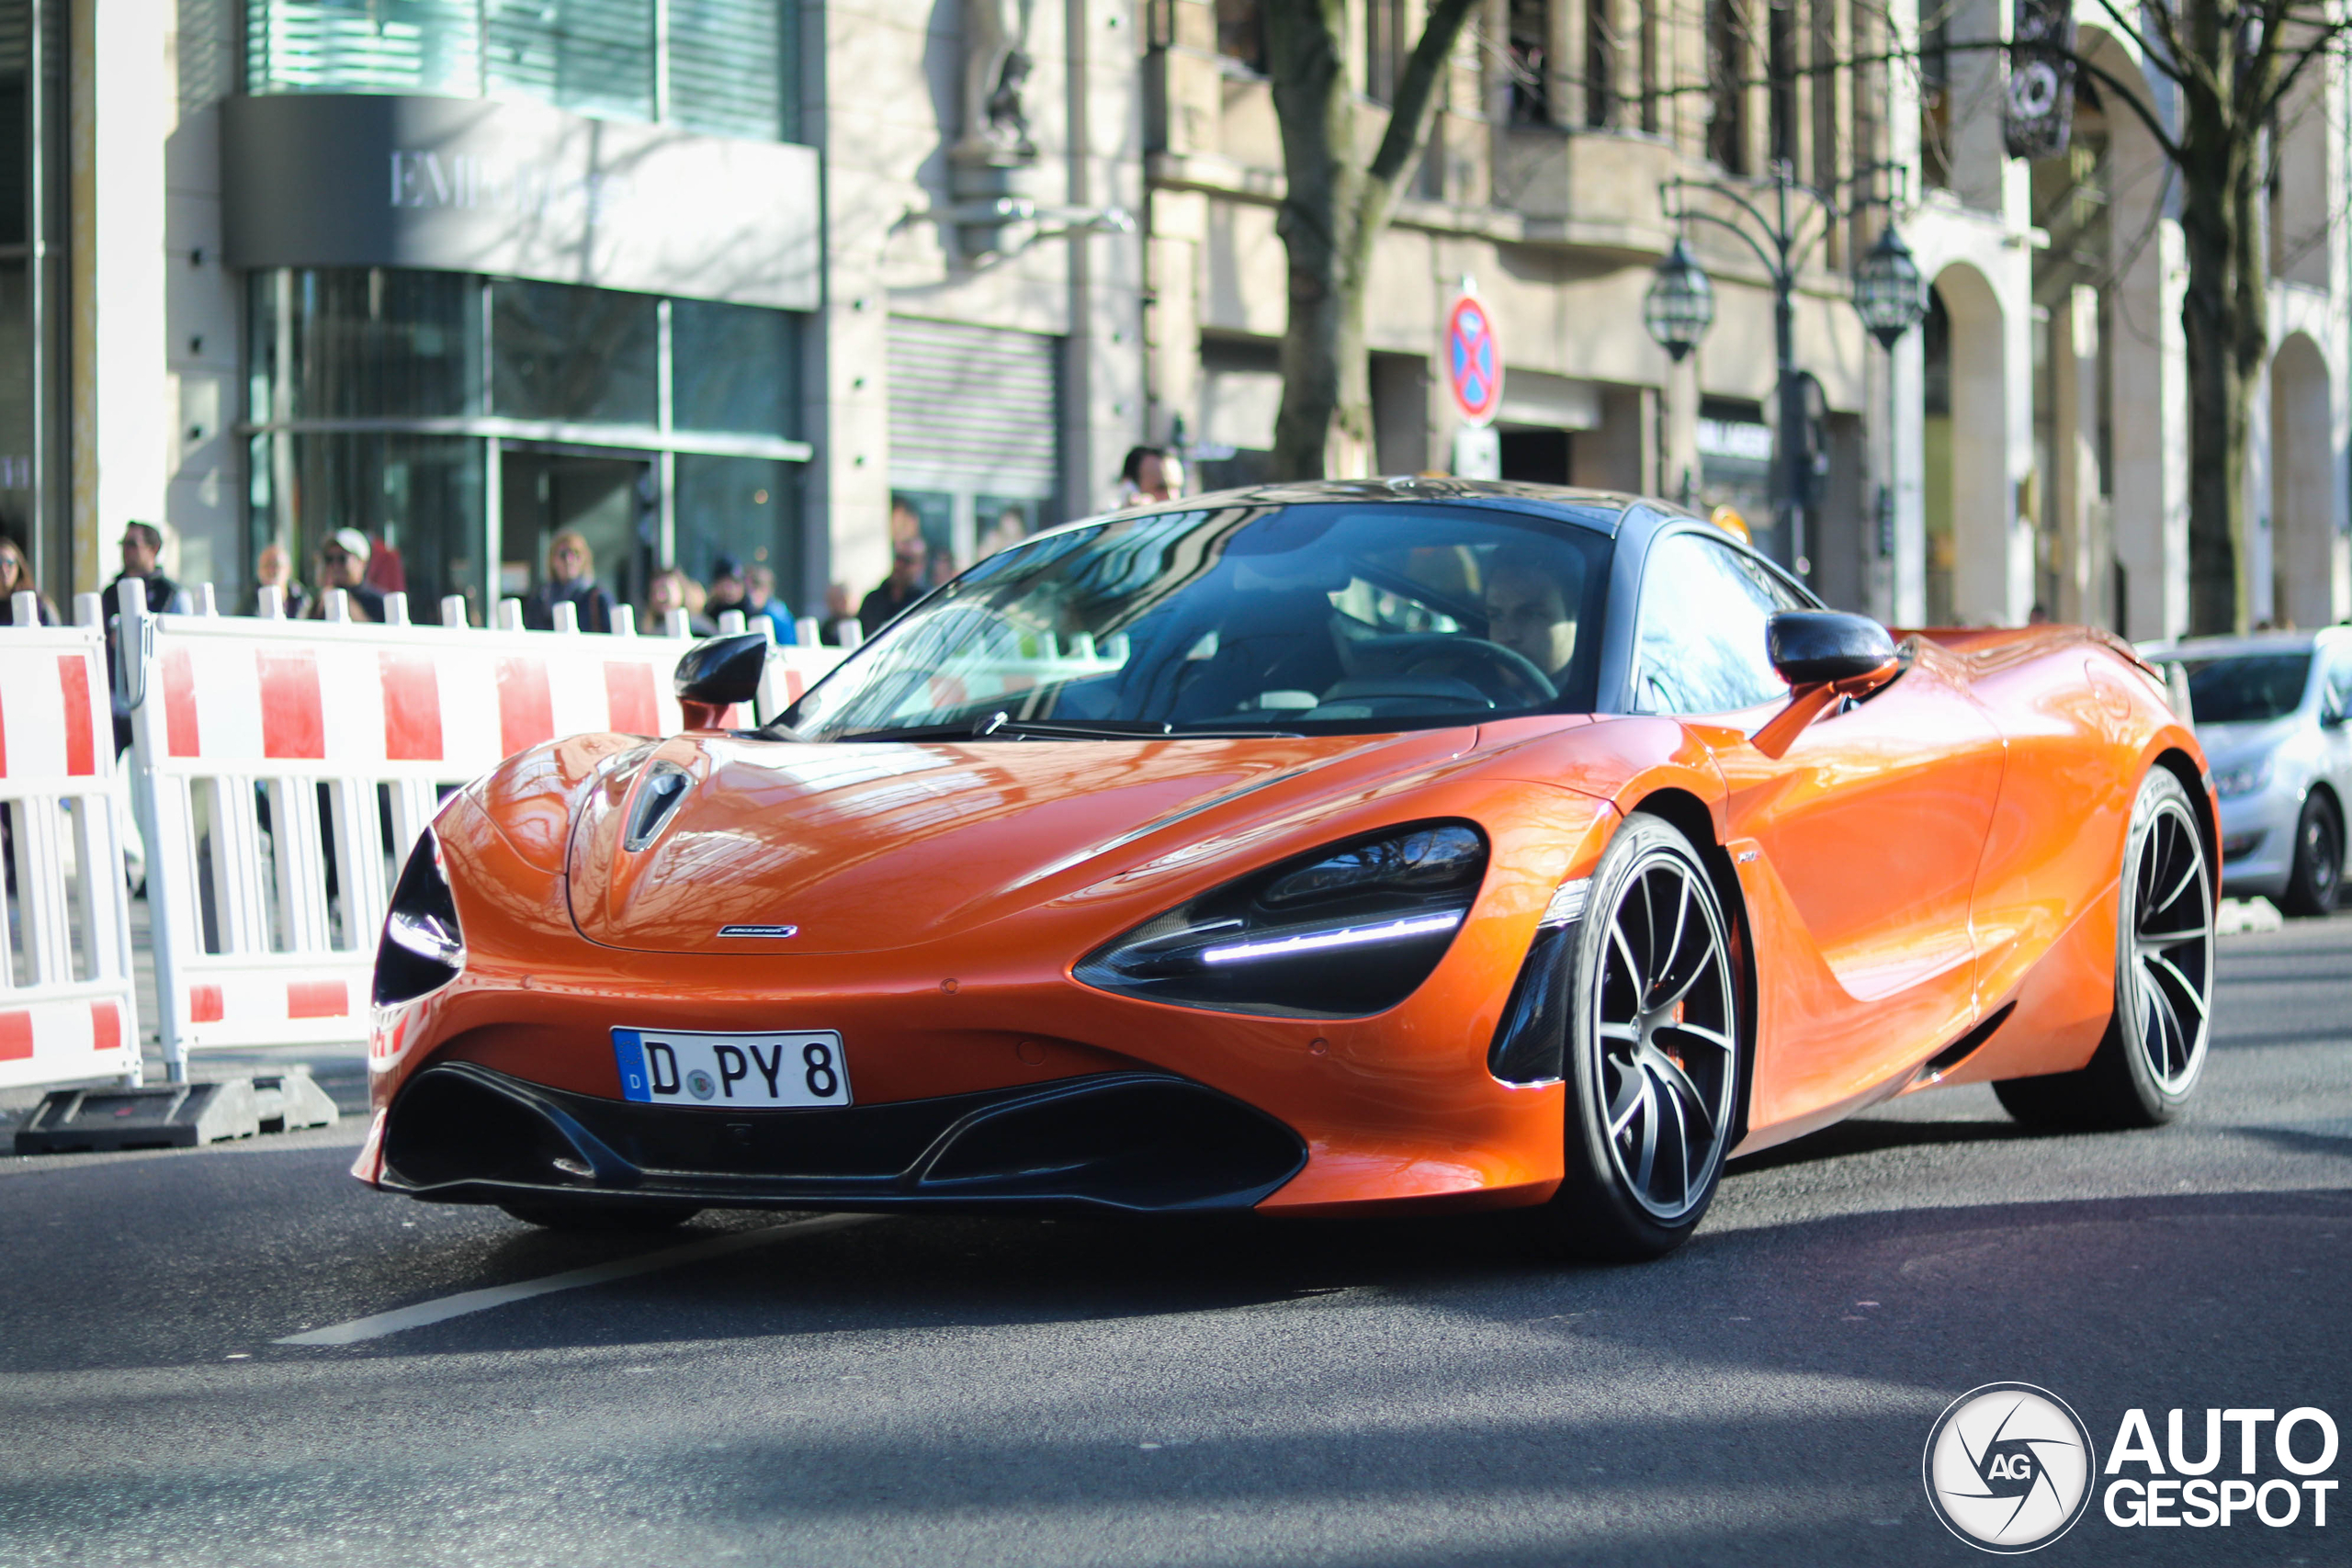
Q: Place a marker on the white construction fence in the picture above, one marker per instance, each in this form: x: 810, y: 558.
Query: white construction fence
x: 68, y: 1004
x: 281, y: 773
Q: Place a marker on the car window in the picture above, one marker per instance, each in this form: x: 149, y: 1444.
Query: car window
x: 1700, y: 645
x: 2246, y: 688
x: 2339, y: 700
x: 1316, y: 618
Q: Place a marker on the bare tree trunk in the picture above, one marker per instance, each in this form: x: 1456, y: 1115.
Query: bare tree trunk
x: 1335, y: 210
x: 1315, y: 103
x: 2217, y: 412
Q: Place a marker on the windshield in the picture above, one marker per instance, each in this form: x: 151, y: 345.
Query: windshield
x: 1313, y: 619
x: 2247, y: 688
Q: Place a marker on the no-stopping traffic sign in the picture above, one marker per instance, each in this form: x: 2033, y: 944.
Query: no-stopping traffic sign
x: 1474, y: 360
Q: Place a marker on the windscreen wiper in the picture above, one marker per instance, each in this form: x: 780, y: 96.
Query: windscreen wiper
x: 959, y: 731
x: 999, y: 724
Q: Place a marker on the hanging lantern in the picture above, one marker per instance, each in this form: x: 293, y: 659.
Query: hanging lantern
x: 1680, y: 305
x: 1887, y: 293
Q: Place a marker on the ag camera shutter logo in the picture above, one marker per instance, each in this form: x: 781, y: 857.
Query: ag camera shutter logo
x: 2008, y: 1467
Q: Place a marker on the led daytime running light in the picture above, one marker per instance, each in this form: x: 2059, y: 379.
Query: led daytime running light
x: 1342, y: 936
x: 427, y: 936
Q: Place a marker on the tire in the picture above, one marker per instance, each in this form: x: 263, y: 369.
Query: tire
x: 2149, y: 1064
x: 2318, y: 874
x: 589, y: 1217
x: 1653, y: 1049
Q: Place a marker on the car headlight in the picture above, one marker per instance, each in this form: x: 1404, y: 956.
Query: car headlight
x: 422, y: 948
x: 1344, y: 931
x: 2242, y: 780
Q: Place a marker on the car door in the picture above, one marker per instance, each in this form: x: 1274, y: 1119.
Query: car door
x: 1857, y: 847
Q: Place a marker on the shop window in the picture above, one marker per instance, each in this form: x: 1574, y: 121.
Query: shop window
x: 418, y: 499
x: 374, y: 342
x: 744, y: 508
x: 566, y: 353
x: 735, y: 369
x: 1735, y: 460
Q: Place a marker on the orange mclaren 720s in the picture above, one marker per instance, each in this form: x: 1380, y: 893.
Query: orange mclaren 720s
x: 1336, y: 849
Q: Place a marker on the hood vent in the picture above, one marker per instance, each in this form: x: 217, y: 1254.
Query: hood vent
x: 658, y: 794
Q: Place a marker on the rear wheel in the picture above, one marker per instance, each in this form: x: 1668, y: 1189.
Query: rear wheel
x: 1653, y: 1045
x: 2318, y: 872
x: 2155, y: 1050
x: 594, y: 1218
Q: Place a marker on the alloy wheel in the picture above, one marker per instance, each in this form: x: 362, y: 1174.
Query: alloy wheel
x: 2322, y: 859
x: 1666, y: 1032
x: 2172, y: 945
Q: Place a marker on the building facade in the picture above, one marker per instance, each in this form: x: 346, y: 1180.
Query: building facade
x: 2025, y: 449
x: 775, y: 279
x: 696, y: 278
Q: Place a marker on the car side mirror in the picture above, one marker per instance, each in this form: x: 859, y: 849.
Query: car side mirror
x: 1822, y: 655
x: 717, y: 674
x: 1812, y: 648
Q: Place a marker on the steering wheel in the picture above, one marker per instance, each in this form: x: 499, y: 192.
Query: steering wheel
x: 1435, y: 652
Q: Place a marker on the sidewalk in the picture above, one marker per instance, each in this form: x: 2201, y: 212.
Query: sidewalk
x: 341, y: 1070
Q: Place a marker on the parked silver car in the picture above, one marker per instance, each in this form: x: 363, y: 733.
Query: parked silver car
x: 2271, y: 711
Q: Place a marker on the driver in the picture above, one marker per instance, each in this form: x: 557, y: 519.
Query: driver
x: 1527, y: 610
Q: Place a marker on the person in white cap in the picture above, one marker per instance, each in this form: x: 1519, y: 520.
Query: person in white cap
x: 343, y: 563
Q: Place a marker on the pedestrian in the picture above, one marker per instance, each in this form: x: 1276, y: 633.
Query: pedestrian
x: 275, y: 569
x: 17, y: 577
x: 841, y: 629
x: 142, y: 552
x: 387, y: 574
x: 1011, y: 527
x: 571, y: 580
x: 1150, y: 474
x: 728, y: 590
x: 343, y: 563
x: 900, y: 589
x: 759, y: 599
x: 673, y: 590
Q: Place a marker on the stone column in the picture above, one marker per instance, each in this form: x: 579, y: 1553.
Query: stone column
x: 122, y: 427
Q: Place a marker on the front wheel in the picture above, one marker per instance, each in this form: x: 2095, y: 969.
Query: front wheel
x: 2155, y: 1050
x: 1653, y: 1049
x: 2318, y: 872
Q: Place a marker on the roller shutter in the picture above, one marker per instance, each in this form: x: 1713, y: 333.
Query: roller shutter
x: 972, y: 410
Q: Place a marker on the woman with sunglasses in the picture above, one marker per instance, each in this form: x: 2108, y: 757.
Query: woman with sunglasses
x: 17, y: 577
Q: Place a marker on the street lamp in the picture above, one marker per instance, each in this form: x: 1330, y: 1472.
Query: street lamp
x: 1680, y: 305
x: 1889, y: 297
x: 1886, y: 290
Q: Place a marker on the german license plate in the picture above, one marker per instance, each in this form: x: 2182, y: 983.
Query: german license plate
x: 662, y: 1066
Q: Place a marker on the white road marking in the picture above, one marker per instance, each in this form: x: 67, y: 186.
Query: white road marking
x: 466, y: 1302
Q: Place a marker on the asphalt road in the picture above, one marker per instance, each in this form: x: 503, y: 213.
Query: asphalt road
x: 926, y: 1391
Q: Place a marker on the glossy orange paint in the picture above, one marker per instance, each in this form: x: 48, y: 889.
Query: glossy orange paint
x: 1904, y: 869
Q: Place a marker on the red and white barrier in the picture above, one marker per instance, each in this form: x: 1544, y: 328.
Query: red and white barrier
x: 285, y: 770
x: 68, y: 1005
